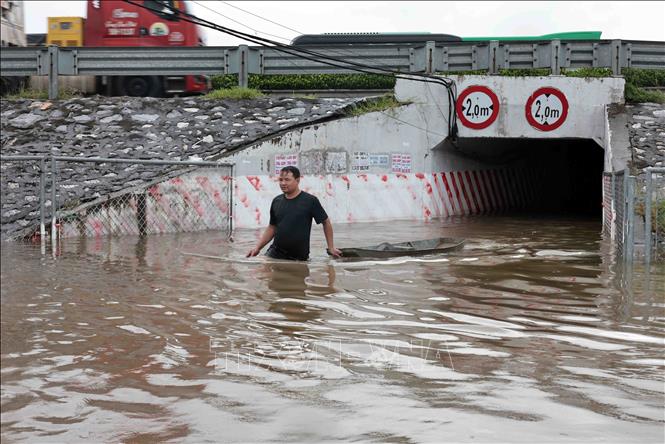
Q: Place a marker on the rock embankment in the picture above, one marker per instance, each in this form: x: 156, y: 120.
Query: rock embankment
x: 647, y: 136
x: 133, y: 128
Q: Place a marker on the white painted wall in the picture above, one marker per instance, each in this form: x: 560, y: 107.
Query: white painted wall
x: 587, y: 98
x: 418, y: 129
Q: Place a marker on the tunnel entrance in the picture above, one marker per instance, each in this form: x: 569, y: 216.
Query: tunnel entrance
x: 568, y: 172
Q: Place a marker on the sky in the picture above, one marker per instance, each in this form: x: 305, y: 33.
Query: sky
x: 617, y: 20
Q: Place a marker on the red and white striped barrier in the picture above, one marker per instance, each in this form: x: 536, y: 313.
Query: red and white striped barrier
x: 380, y: 197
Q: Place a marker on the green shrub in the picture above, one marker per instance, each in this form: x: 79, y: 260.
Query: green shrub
x: 635, y: 94
x: 644, y: 77
x: 224, y: 81
x: 524, y: 72
x: 374, y: 105
x: 296, y: 82
x: 469, y: 72
x: 635, y: 80
x: 586, y: 72
x: 234, y: 94
x: 657, y: 216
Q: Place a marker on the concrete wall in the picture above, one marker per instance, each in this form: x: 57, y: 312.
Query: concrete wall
x: 587, y: 98
x: 350, y: 165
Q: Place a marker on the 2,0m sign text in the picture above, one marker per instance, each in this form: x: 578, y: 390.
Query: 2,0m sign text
x: 477, y: 107
x: 546, y: 109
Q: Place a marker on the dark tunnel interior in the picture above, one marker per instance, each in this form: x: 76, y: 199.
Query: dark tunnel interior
x: 568, y: 172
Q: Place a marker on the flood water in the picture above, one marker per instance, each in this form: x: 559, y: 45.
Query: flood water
x: 530, y: 334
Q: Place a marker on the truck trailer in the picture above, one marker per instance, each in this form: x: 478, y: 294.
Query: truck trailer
x: 112, y: 23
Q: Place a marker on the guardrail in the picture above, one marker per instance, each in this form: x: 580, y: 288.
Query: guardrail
x: 243, y: 60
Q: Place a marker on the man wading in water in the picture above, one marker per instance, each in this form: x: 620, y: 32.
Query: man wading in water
x: 291, y: 221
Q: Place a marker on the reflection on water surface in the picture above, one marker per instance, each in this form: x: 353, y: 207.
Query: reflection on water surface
x: 531, y: 331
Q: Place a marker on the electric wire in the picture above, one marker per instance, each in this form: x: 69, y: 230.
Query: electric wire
x: 262, y: 18
x: 316, y: 57
x: 337, y: 51
x: 236, y: 21
x: 297, y: 51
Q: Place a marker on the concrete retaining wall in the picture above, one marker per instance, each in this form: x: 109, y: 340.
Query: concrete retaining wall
x: 388, y: 165
x: 379, y: 166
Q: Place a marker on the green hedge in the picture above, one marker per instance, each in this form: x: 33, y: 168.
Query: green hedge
x: 307, y: 81
x: 586, y: 72
x: 636, y: 79
x: 644, y: 77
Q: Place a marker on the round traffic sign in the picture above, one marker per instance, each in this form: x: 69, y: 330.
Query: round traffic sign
x: 477, y: 107
x: 546, y: 109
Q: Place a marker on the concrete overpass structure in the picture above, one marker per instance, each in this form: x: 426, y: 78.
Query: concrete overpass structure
x: 525, y: 143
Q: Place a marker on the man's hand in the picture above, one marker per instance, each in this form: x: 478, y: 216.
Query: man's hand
x: 253, y: 252
x: 334, y: 252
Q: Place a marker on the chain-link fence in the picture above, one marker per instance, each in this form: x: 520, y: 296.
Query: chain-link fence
x: 608, y: 213
x: 25, y: 207
x: 654, y: 214
x: 104, y: 197
x: 634, y: 213
x: 619, y: 211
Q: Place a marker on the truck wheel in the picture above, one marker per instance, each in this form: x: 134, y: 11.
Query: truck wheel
x: 140, y: 86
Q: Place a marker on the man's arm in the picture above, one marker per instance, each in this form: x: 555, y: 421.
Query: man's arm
x: 266, y: 237
x: 328, y: 232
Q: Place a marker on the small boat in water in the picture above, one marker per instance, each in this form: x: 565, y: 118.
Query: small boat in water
x: 411, y: 248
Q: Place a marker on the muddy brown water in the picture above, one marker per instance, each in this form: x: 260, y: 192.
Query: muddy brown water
x: 532, y: 333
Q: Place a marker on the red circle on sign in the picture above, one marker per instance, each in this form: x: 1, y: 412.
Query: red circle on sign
x: 460, y: 103
x: 564, y: 108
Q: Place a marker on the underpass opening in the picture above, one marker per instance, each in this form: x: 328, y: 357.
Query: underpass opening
x: 562, y: 177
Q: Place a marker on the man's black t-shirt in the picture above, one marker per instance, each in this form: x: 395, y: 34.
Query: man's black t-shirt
x: 292, y: 219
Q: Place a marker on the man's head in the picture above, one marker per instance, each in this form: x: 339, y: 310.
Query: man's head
x: 289, y: 179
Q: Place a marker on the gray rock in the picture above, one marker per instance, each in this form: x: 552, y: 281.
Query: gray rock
x: 113, y: 118
x: 83, y: 119
x: 25, y: 120
x: 145, y: 117
x: 117, y: 136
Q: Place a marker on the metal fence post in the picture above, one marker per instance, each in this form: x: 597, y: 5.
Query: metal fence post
x: 493, y: 50
x: 243, y: 72
x: 52, y: 72
x: 613, y: 222
x: 231, y: 191
x: 616, y: 57
x: 629, y: 246
x: 624, y: 203
x: 54, y: 204
x: 42, y: 196
x: 647, y: 217
x: 430, y: 47
x: 555, y: 64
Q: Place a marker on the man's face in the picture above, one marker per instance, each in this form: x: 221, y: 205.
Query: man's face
x: 287, y: 183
